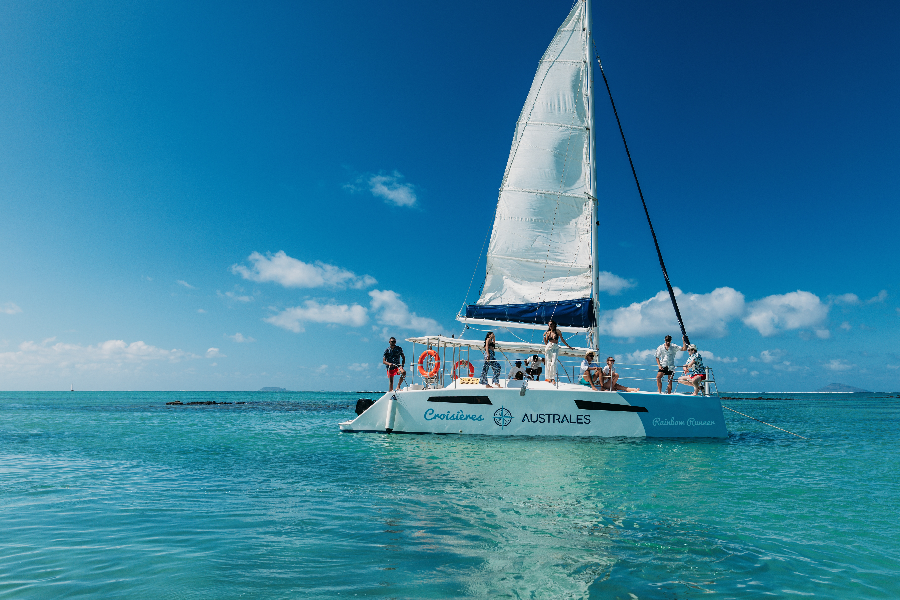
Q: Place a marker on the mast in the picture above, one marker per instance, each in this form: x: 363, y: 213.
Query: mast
x: 592, y: 184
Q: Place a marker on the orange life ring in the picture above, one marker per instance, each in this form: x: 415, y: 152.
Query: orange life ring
x: 437, y: 364
x: 463, y: 363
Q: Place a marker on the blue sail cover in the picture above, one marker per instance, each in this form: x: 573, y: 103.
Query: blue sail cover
x: 566, y: 313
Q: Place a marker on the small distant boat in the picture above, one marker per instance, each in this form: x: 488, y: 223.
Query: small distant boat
x: 542, y: 264
x: 72, y: 387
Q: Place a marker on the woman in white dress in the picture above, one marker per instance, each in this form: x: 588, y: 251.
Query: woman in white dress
x: 552, y: 338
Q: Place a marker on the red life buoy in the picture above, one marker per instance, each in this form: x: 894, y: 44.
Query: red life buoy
x: 463, y: 363
x: 437, y: 364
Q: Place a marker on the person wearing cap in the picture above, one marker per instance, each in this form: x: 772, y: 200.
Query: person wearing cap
x: 694, y: 371
x: 534, y: 367
x: 665, y: 359
x: 590, y: 372
x: 516, y: 372
x: 610, y: 375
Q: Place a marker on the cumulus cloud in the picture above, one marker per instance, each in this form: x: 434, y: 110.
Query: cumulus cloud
x: 838, y: 365
x: 704, y: 314
x: 293, y: 318
x: 795, y: 310
x: 214, y: 353
x: 391, y: 188
x: 768, y: 356
x: 881, y: 297
x: 358, y: 366
x: 240, y: 339
x: 236, y: 296
x: 293, y: 273
x: 110, y: 355
x: 9, y: 308
x: 846, y: 326
x: 185, y: 284
x: 390, y: 310
x: 848, y: 299
x: 613, y: 284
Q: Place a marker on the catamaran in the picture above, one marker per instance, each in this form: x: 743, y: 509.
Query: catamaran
x: 541, y: 264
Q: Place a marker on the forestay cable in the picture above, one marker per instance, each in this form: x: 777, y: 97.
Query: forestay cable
x: 646, y: 212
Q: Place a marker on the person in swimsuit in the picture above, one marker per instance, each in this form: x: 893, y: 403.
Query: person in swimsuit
x: 611, y: 378
x: 552, y: 338
x: 489, y: 361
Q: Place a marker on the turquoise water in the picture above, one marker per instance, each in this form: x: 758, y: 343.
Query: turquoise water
x: 117, y: 495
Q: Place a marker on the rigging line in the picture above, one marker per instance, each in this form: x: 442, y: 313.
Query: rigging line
x: 641, y: 194
x: 764, y: 423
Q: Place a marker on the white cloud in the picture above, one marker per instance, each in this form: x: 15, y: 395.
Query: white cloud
x: 849, y: 299
x: 240, y: 338
x: 708, y: 355
x: 201, y: 311
x: 392, y: 311
x: 613, y: 284
x: 392, y: 189
x: 185, y: 284
x: 794, y: 310
x: 893, y: 366
x: 838, y: 364
x: 10, y: 308
x: 293, y: 318
x: 292, y: 273
x: 768, y: 356
x: 846, y: 326
x: 236, y: 296
x: 214, y: 353
x: 358, y: 366
x: 704, y: 314
x: 823, y: 334
x: 111, y: 355
x: 638, y: 357
x: 881, y: 297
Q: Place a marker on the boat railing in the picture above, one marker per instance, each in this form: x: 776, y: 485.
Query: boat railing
x: 456, y: 362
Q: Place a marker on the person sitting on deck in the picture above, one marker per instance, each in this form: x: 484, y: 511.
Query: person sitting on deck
x: 534, y: 367
x: 590, y: 372
x: 517, y: 372
x: 694, y: 371
x: 611, y: 378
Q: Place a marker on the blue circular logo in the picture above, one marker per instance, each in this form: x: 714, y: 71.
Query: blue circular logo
x: 502, y: 417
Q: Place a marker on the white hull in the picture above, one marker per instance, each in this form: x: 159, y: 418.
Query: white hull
x: 545, y: 409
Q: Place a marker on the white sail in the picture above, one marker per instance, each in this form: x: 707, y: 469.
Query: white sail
x: 540, y: 249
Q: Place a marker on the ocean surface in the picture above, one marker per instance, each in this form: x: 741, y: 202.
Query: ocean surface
x: 117, y: 495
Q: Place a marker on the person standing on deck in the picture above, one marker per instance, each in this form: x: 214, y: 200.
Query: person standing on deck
x: 489, y: 361
x: 394, y: 360
x: 665, y: 359
x: 552, y: 338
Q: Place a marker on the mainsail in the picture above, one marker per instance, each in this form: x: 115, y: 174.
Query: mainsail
x: 540, y: 258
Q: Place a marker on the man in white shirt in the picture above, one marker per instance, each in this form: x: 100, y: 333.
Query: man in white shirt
x: 517, y: 372
x: 590, y: 372
x: 665, y: 359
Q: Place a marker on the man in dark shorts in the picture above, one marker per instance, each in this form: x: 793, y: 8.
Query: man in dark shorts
x: 534, y: 366
x: 665, y: 359
x: 394, y: 360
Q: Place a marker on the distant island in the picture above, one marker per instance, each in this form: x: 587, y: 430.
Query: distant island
x: 272, y: 389
x: 840, y: 387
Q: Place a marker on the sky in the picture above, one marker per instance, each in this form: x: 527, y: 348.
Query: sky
x: 232, y: 195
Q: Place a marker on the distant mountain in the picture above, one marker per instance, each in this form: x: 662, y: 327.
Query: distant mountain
x: 272, y: 389
x: 840, y: 387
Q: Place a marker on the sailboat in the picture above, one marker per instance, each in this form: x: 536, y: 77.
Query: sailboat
x: 541, y: 264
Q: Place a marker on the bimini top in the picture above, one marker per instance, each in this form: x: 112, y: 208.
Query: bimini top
x: 510, y: 347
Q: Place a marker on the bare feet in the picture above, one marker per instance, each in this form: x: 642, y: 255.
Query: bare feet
x: 632, y: 389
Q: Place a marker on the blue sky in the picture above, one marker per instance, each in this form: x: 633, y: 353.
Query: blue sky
x: 221, y: 195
